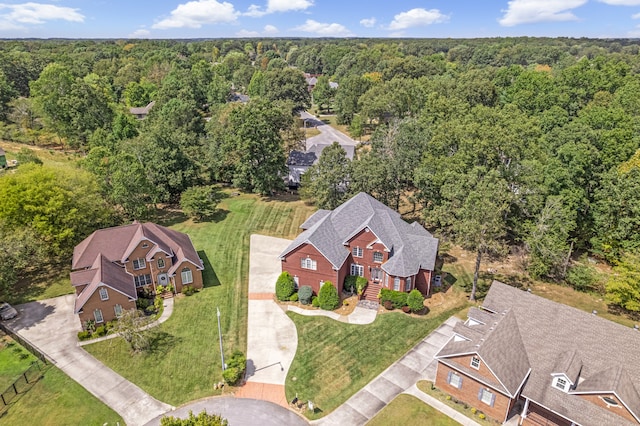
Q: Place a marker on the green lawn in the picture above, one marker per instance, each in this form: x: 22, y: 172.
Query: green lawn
x: 334, y: 359
x: 412, y: 411
x: 185, y: 361
x: 14, y: 360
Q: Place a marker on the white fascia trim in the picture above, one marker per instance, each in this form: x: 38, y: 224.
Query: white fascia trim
x: 611, y: 392
x: 502, y: 392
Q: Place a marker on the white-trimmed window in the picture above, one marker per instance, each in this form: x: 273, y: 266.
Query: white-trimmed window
x: 561, y: 383
x: 454, y: 380
x: 104, y: 294
x: 486, y: 397
x: 141, y: 280
x: 378, y: 256
x: 117, y: 310
x: 396, y: 283
x: 308, y: 263
x: 407, y: 284
x: 161, y: 262
x: 357, y: 270
x: 187, y: 276
x: 357, y: 252
x: 139, y: 264
x: 97, y: 314
x: 475, y: 362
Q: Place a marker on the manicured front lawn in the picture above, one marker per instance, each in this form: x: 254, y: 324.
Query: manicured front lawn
x: 57, y: 400
x: 334, y: 359
x: 185, y: 360
x: 412, y: 411
x: 14, y: 360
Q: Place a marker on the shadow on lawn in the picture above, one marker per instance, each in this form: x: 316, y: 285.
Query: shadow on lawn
x: 209, y: 277
x: 161, y: 341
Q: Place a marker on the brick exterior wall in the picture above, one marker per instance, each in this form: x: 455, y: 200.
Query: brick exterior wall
x: 620, y: 409
x: 323, y: 272
x: 195, y: 273
x: 141, y: 252
x: 468, y: 393
x: 483, y: 371
x: 106, y: 306
x: 423, y: 281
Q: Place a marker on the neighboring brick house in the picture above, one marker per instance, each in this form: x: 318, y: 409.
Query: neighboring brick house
x: 111, y: 265
x: 550, y: 363
x: 366, y: 238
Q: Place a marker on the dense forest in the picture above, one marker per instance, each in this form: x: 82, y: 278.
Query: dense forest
x: 510, y: 144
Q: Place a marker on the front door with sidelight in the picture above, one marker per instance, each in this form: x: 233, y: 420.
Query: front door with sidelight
x: 163, y: 279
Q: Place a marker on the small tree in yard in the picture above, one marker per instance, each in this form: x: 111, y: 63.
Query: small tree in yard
x: 328, y: 297
x: 200, y: 202
x: 202, y: 419
x: 285, y: 286
x: 131, y: 327
x: 415, y: 300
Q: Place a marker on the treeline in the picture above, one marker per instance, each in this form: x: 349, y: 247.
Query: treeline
x: 501, y: 143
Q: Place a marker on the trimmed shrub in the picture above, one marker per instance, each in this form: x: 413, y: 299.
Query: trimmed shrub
x: 235, y: 368
x: 231, y: 375
x: 83, y: 335
x: 415, y: 301
x: 305, y: 294
x: 354, y: 283
x: 294, y: 297
x: 315, y: 302
x: 397, y: 298
x: 328, y: 297
x: 188, y: 290
x: 387, y: 305
x: 285, y: 286
x: 101, y: 331
x: 406, y: 309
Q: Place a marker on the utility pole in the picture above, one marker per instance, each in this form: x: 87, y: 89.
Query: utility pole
x: 224, y: 366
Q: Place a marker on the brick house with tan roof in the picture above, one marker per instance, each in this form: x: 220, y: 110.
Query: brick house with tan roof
x: 111, y: 265
x: 362, y: 237
x: 550, y: 363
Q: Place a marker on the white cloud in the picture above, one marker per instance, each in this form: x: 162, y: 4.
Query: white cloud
x: 324, y: 29
x: 528, y: 11
x: 416, y: 18
x: 635, y: 16
x: 621, y: 2
x: 140, y: 33
x: 35, y: 13
x: 247, y: 33
x: 274, y: 6
x: 195, y: 14
x: 270, y: 29
x: 368, y: 22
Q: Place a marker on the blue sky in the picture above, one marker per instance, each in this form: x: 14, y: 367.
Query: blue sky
x: 318, y: 18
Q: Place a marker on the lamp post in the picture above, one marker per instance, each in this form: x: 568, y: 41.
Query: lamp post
x: 224, y: 366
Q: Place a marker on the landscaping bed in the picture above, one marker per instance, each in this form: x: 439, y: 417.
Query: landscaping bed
x: 462, y: 407
x: 412, y: 411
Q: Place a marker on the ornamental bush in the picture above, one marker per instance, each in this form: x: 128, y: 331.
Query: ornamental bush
x: 328, y: 297
x: 315, y: 302
x: 397, y: 298
x: 415, y: 300
x: 235, y: 368
x: 294, y: 297
x: 354, y: 283
x: 305, y: 294
x: 285, y: 286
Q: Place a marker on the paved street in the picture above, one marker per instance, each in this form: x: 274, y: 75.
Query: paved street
x: 328, y: 134
x: 51, y: 326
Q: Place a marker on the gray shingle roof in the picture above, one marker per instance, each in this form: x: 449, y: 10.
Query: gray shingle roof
x: 411, y: 246
x: 603, y: 354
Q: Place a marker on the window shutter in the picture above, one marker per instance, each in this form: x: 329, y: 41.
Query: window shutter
x: 449, y: 377
x: 480, y: 394
x: 460, y: 383
x: 493, y: 399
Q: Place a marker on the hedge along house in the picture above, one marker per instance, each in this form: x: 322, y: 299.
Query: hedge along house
x: 111, y: 265
x: 549, y: 363
x: 366, y: 238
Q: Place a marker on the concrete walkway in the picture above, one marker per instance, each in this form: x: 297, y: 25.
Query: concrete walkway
x: 272, y: 338
x: 239, y: 412
x: 358, y: 316
x: 417, y: 364
x: 167, y: 310
x: 51, y: 326
x: 440, y: 406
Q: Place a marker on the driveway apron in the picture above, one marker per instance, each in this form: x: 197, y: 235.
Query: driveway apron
x: 51, y: 326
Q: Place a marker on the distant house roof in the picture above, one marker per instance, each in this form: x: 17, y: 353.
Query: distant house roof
x: 239, y: 97
x: 518, y: 329
x: 142, y: 112
x: 333, y: 85
x: 411, y: 246
x: 299, y: 158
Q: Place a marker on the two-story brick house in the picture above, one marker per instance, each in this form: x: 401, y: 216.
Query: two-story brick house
x: 111, y: 265
x: 366, y: 238
x: 552, y: 364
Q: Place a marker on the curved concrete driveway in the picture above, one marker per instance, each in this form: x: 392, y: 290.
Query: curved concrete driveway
x: 51, y: 326
x: 239, y: 412
x: 272, y: 338
x: 327, y: 135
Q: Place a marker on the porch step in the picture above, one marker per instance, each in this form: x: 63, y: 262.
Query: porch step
x: 371, y: 292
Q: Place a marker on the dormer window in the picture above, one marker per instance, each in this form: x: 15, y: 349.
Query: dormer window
x: 475, y: 362
x: 561, y: 382
x: 610, y: 401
